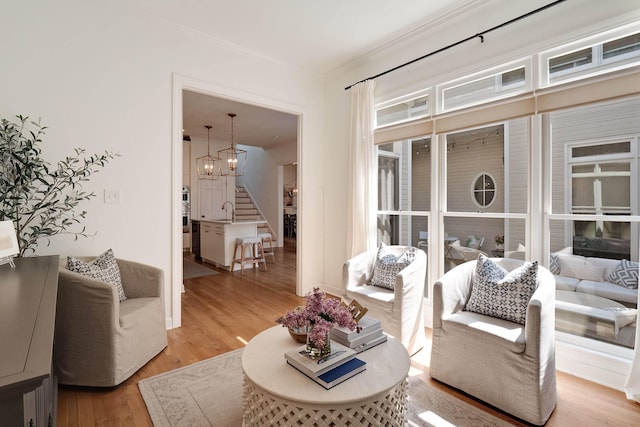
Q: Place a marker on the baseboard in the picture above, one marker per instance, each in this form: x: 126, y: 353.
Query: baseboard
x: 595, y: 361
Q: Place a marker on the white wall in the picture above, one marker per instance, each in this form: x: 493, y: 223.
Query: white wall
x: 100, y: 77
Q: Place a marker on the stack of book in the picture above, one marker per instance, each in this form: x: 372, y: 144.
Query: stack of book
x: 330, y: 370
x: 370, y: 335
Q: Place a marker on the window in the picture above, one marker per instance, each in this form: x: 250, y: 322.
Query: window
x: 483, y: 190
x: 485, y: 87
x: 600, y: 55
x: 569, y: 177
x: 397, y: 111
x: 404, y: 188
x: 594, y: 222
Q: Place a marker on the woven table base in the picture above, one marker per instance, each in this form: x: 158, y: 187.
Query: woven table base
x: 263, y: 409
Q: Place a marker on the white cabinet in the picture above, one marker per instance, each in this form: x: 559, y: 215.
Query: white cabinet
x: 217, y: 240
x: 212, y: 243
x: 211, y: 196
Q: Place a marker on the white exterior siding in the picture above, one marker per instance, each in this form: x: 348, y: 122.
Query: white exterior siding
x: 602, y: 122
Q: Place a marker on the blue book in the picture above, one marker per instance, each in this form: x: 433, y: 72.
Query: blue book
x: 338, y: 374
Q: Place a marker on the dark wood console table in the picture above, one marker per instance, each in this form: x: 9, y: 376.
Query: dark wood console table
x: 28, y: 295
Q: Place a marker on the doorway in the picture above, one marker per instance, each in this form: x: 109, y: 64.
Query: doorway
x: 190, y: 116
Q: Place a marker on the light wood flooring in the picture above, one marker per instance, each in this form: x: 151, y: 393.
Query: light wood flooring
x: 222, y: 312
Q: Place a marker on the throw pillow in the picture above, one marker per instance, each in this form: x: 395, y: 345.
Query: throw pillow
x: 554, y: 263
x: 584, y: 271
x: 387, y: 266
x: 498, y: 293
x: 569, y: 264
x: 104, y: 268
x: 625, y: 274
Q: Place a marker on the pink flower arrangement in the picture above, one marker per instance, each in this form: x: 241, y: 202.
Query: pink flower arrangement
x: 319, y: 315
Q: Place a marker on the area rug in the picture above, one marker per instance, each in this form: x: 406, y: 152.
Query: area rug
x: 209, y: 393
x: 191, y: 269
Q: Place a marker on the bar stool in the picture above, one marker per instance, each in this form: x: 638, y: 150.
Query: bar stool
x: 254, y: 244
x: 267, y: 238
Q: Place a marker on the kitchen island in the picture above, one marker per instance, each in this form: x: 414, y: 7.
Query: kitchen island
x: 218, y: 238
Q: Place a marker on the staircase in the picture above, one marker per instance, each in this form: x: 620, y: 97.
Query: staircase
x: 247, y: 210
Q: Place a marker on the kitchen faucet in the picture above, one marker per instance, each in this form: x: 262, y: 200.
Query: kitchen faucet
x: 233, y: 211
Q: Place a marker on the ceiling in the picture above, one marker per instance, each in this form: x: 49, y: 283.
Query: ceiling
x: 316, y: 35
x: 255, y: 126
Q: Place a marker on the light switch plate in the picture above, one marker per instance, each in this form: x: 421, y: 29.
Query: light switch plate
x: 112, y: 196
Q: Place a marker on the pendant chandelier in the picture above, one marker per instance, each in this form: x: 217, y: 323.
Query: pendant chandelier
x: 232, y: 160
x: 208, y: 166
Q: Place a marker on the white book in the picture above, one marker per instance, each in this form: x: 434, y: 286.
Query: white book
x: 313, y: 367
x: 367, y: 324
x: 362, y: 338
x: 372, y: 343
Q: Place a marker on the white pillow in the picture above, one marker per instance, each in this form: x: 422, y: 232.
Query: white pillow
x: 584, y: 271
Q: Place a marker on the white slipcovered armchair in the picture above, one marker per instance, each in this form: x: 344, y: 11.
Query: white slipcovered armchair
x: 506, y: 364
x: 399, y: 310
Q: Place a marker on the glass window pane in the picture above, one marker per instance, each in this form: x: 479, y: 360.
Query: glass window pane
x: 599, y: 149
x: 388, y: 183
x: 594, y: 172
x: 595, y: 177
x: 466, y: 238
x: 622, y: 46
x: 402, y: 111
x: 485, y: 89
x: 570, y: 60
x: 405, y: 230
x: 584, y: 313
x: 404, y: 175
x: 484, y: 176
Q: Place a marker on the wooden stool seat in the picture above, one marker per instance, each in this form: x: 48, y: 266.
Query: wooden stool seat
x: 256, y: 251
x: 267, y: 238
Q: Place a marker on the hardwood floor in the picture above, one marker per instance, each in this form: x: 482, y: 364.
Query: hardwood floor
x: 222, y: 312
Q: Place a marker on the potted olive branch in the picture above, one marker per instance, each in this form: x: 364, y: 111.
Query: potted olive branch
x: 41, y: 200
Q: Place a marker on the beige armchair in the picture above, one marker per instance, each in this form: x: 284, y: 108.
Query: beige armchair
x: 399, y: 310
x: 508, y: 365
x: 100, y: 341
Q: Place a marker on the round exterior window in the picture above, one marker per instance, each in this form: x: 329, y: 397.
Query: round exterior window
x: 483, y: 190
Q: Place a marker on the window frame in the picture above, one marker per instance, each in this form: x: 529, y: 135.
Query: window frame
x: 501, y: 92
x: 598, y: 64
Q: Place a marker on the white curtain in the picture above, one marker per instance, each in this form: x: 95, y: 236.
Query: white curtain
x: 632, y: 384
x: 362, y: 160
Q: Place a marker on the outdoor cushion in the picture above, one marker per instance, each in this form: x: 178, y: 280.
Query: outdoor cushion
x: 608, y: 290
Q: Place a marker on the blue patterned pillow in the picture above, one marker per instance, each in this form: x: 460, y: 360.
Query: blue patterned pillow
x: 104, y: 268
x: 498, y: 293
x: 388, y: 266
x: 625, y: 274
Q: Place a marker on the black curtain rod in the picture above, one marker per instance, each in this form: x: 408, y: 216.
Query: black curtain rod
x: 479, y: 35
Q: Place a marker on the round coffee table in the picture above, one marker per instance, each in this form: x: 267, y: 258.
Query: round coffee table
x: 276, y: 394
